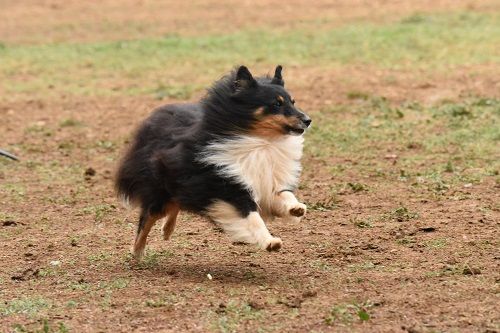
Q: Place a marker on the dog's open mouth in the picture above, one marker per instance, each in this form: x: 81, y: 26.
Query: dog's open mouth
x: 295, y: 130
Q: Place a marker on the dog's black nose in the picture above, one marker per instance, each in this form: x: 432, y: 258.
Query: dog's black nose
x: 307, y: 121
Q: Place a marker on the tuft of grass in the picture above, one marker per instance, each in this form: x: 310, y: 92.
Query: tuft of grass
x: 231, y: 317
x: 357, y: 187
x: 118, y: 283
x: 320, y: 265
x: 365, y: 266
x: 358, y: 95
x: 437, y: 243
x: 99, y: 211
x: 26, y: 305
x: 362, y: 223
x: 408, y: 241
x: 70, y: 122
x: 168, y: 301
x: 100, y: 257
x: 401, y: 214
x: 177, y: 92
x: 323, y: 205
x: 46, y: 328
x: 447, y: 271
x: 348, y: 313
x: 105, y: 144
x: 81, y: 285
x: 449, y: 167
x: 151, y: 258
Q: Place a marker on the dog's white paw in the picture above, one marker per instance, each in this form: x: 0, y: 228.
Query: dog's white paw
x: 297, y: 210
x: 274, y: 244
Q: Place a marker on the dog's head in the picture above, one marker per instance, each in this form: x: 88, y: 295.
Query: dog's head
x: 273, y: 109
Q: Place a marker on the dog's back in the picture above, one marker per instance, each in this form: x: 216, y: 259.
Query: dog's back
x: 158, y: 146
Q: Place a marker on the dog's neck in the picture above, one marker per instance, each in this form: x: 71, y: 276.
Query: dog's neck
x: 263, y: 166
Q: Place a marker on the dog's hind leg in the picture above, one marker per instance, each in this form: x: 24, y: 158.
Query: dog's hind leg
x: 249, y: 229
x: 168, y: 226
x: 146, y: 222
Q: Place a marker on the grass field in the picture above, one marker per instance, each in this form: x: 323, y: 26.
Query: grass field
x: 401, y: 167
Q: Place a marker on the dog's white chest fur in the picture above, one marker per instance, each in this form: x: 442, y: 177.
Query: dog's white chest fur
x: 263, y: 166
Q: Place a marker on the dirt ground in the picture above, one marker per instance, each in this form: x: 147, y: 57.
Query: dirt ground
x: 64, y: 237
x: 57, y: 20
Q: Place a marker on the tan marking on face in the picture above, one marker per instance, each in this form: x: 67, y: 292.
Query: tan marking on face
x: 273, y: 125
x: 281, y: 99
x: 259, y: 112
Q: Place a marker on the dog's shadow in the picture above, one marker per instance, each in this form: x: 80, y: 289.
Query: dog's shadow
x: 212, y: 271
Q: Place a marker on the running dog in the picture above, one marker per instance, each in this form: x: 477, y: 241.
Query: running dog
x: 234, y: 157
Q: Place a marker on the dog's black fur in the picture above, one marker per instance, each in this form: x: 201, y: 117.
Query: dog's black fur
x: 162, y: 164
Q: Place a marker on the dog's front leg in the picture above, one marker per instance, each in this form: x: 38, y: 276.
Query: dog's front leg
x: 285, y: 204
x: 247, y: 228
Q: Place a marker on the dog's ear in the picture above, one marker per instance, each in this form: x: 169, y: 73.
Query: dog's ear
x: 278, y: 79
x: 244, y: 79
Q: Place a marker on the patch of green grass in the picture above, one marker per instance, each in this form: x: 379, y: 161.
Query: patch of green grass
x: 151, y: 258
x: 51, y: 271
x: 230, y: 317
x: 99, y: 211
x: 8, y: 216
x: 348, y: 313
x: 166, y: 301
x: 358, y: 95
x: 100, y: 257
x: 70, y: 122
x: 401, y: 214
x: 39, y: 129
x: 26, y: 305
x: 437, y: 243
x: 365, y: 266
x: 71, y: 304
x: 81, y: 286
x: 431, y: 41
x: 14, y: 191
x: 118, y: 283
x: 46, y: 327
x: 106, y: 145
x: 323, y: 205
x: 320, y: 265
x: 362, y: 223
x: 357, y: 187
x: 356, y: 132
x: 407, y: 241
x: 447, y: 271
x: 178, y: 92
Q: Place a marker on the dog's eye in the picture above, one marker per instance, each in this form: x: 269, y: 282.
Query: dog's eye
x: 278, y: 104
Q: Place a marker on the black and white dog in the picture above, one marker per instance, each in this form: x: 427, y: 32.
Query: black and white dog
x: 234, y: 157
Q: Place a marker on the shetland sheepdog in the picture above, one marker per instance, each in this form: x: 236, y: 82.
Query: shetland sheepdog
x: 233, y: 157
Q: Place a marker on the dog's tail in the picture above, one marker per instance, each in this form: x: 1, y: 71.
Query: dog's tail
x: 143, y: 178
x: 129, y: 178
